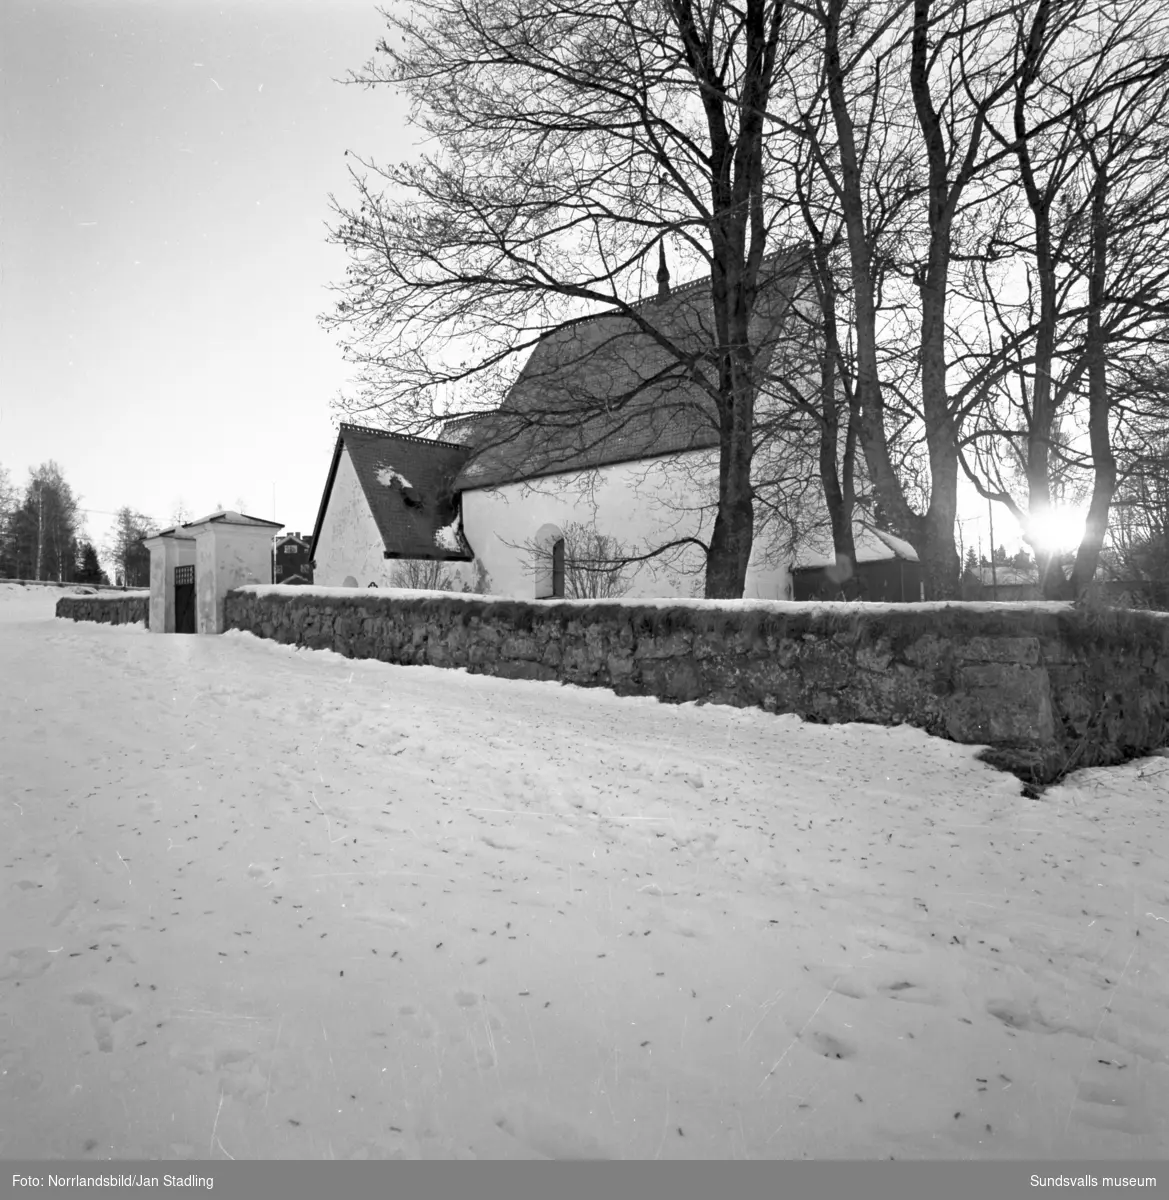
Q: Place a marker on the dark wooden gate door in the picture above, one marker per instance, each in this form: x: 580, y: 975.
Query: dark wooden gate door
x: 184, y: 599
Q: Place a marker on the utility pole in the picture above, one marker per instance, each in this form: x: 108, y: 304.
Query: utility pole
x: 994, y: 575
x: 40, y: 527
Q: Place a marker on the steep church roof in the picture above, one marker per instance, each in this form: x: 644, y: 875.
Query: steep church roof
x: 407, y: 483
x: 605, y: 390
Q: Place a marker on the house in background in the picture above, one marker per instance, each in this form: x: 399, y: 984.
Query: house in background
x: 887, y: 570
x: 290, y: 559
x: 603, y: 429
x: 1001, y: 582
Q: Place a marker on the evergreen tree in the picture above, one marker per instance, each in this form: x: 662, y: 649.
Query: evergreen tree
x: 88, y: 568
x: 8, y: 504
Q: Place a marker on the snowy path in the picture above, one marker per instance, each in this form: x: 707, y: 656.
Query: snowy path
x: 263, y: 903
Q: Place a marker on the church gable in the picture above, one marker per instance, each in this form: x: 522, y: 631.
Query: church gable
x: 406, y: 485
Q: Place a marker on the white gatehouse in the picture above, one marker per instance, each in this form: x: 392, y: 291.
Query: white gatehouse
x: 194, y: 566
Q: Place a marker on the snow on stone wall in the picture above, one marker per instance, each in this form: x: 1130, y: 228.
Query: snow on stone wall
x: 1048, y: 688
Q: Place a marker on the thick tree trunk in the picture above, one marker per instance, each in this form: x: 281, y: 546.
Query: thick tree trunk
x: 840, y: 507
x: 734, y: 524
x: 937, y: 549
x: 738, y: 238
x: 868, y: 404
x: 1103, y: 460
x: 868, y: 382
x: 837, y: 478
x: 731, y: 540
x: 1041, y: 403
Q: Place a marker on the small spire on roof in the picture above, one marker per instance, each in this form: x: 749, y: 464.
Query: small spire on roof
x: 663, y: 274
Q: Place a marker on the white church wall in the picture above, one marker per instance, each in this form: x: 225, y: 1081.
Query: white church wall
x: 349, y: 545
x: 642, y: 504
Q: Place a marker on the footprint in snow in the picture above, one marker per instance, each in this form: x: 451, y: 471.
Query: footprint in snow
x: 1138, y: 1029
x: 240, y: 1075
x: 394, y: 1144
x: 1026, y: 1018
x: 387, y: 920
x: 24, y: 964
x: 115, y: 926
x: 548, y: 1134
x: 692, y: 778
x: 499, y: 841
x: 243, y: 1072
x: 827, y: 1045
x: 262, y: 873
x: 1106, y: 1099
x: 417, y: 1022
x: 65, y: 914
x: 849, y: 987
x: 907, y: 993
x: 104, y: 1013
x: 18, y: 1078
x: 887, y: 940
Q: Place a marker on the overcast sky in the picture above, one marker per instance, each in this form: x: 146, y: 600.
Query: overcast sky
x: 164, y: 192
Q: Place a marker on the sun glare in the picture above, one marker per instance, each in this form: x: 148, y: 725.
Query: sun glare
x: 1060, y: 530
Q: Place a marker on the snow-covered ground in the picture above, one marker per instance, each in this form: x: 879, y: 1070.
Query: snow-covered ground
x: 263, y: 902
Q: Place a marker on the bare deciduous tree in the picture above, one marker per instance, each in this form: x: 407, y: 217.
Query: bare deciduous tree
x: 949, y: 138
x: 594, y: 564
x: 570, y: 140
x: 124, y: 546
x: 424, y: 574
x: 1083, y: 243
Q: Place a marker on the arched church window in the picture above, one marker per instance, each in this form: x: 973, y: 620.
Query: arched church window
x: 548, y: 562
